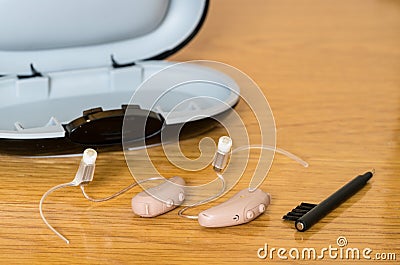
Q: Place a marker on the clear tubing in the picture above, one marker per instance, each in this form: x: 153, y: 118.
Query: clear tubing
x: 70, y: 184
x: 277, y: 150
x: 194, y: 217
x: 82, y: 186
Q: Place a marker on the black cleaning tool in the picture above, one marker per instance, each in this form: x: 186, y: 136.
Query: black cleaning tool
x: 307, y: 214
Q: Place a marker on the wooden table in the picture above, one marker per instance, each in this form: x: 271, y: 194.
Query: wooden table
x: 331, y: 73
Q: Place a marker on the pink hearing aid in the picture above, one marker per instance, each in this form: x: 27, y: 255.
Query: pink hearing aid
x: 242, y: 208
x: 148, y: 203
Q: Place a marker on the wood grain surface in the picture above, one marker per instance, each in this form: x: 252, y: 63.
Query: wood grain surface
x: 331, y: 73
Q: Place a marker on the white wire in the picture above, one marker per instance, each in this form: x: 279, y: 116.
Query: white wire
x: 64, y: 185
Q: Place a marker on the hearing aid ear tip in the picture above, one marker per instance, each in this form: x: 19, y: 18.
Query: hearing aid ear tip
x: 224, y: 144
x: 89, y: 156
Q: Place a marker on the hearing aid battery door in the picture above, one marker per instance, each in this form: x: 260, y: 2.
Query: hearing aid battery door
x: 60, y: 59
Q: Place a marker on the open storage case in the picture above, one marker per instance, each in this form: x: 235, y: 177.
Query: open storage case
x: 68, y: 69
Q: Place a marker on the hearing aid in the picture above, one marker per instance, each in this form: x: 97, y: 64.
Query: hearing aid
x: 243, y: 207
x: 84, y: 176
x: 159, y: 199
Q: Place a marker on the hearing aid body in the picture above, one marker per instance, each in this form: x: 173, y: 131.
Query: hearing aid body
x: 159, y: 199
x: 242, y: 208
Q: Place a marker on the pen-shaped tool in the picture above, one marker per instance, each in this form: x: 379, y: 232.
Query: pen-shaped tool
x: 306, y: 214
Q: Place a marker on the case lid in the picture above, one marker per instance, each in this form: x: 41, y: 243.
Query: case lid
x: 65, y: 35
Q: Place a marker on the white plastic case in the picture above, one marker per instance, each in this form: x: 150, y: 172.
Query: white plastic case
x: 62, y: 61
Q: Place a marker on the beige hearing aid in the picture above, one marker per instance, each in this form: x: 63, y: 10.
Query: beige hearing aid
x: 151, y: 202
x: 242, y: 208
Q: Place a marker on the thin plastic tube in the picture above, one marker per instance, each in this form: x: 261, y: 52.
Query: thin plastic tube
x: 60, y: 186
x: 82, y: 186
x: 194, y: 217
x: 277, y: 150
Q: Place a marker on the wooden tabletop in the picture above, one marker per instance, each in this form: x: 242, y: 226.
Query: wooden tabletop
x: 331, y: 73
